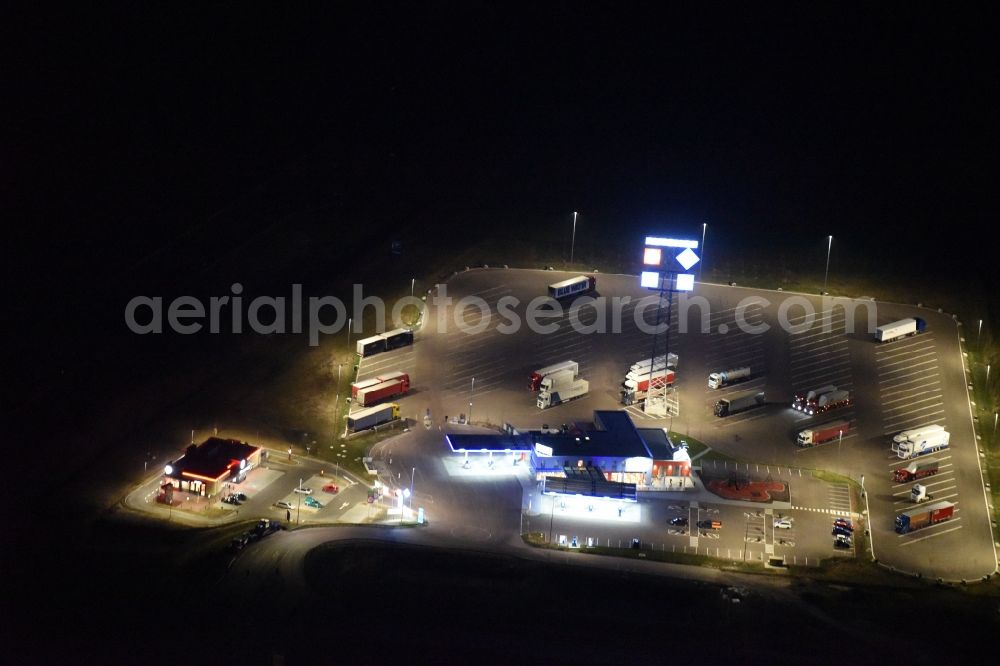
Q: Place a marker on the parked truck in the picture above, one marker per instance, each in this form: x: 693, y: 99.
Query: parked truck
x: 372, y: 416
x: 935, y: 441
x: 370, y: 391
x: 803, y: 400
x: 717, y: 380
x: 557, y: 380
x: 918, y: 493
x: 636, y: 388
x: 900, y: 329
x: 387, y: 341
x: 575, y: 389
x: 915, y: 433
x: 659, y: 363
x: 829, y: 401
x: 916, y: 470
x: 370, y: 346
x: 535, y: 380
x: 916, y: 519
x: 400, y: 337
x: 739, y: 403
x: 581, y: 284
x: 823, y: 433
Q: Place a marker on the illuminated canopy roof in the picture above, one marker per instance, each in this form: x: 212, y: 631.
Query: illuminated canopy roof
x: 613, y: 436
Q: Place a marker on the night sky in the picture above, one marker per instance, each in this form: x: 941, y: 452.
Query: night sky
x: 135, y: 124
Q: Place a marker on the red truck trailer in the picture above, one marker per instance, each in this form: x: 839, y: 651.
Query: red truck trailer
x: 370, y: 391
x: 916, y: 470
x: 916, y: 519
x: 823, y: 433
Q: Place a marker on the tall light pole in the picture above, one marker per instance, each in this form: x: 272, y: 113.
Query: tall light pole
x: 987, y: 374
x: 471, y: 391
x: 572, y: 244
x: 412, y: 472
x: 979, y: 332
x: 412, y: 282
x: 336, y: 404
x: 829, y: 244
x: 704, y: 227
x: 349, y: 320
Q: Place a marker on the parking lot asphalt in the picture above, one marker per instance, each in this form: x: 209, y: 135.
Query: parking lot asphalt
x: 811, y: 342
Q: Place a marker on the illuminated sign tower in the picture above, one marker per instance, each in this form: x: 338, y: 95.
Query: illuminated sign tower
x: 665, y: 266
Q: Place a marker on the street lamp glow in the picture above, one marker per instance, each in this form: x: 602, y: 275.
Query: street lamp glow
x: 572, y: 245
x: 704, y: 228
x: 829, y: 245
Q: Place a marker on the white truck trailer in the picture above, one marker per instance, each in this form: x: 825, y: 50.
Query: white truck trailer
x: 929, y: 443
x: 900, y: 329
x: 575, y: 389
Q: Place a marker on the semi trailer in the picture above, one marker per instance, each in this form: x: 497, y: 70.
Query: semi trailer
x: 581, y: 284
x: 823, y: 433
x: 822, y: 400
x: 916, y: 470
x: 535, y: 380
x: 803, y: 400
x: 717, y: 380
x: 739, y: 403
x: 917, y: 433
x: 935, y: 441
x: 372, y: 416
x: 900, y: 329
x: 830, y: 401
x: 659, y: 363
x: 370, y: 391
x: 387, y: 341
x: 557, y: 396
x: 916, y: 519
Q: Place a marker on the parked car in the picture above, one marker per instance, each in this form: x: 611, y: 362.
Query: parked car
x: 840, y: 531
x: 710, y: 524
x: 783, y: 524
x: 331, y: 488
x: 241, y: 496
x: 842, y: 541
x: 282, y: 504
x: 231, y: 499
x: 844, y: 523
x: 680, y: 521
x: 314, y: 503
x: 304, y: 490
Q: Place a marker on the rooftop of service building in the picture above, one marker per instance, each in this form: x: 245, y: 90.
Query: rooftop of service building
x: 612, y: 434
x: 213, y: 458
